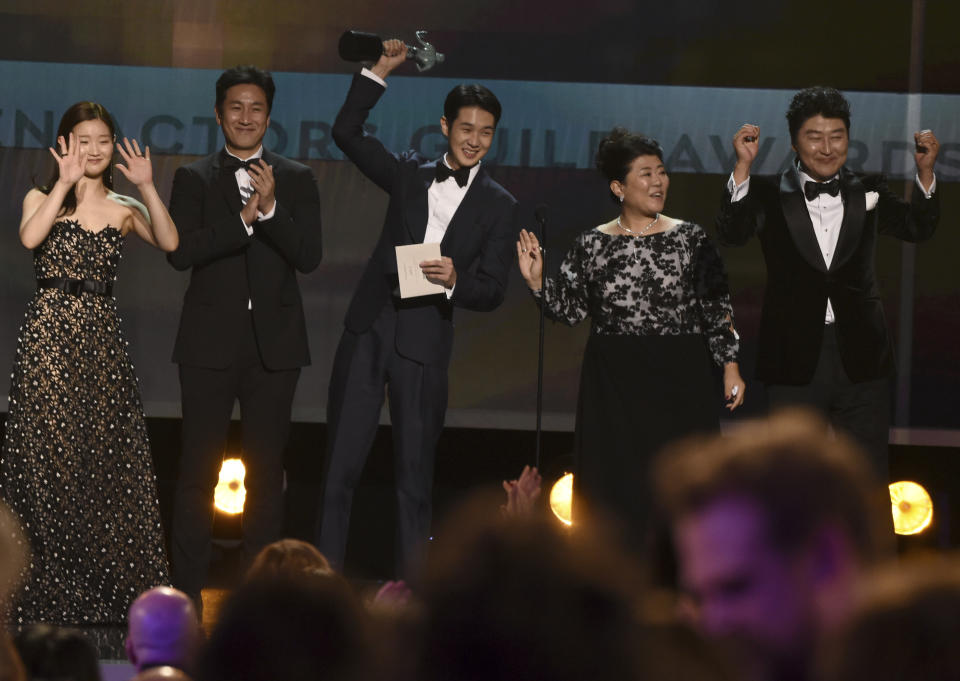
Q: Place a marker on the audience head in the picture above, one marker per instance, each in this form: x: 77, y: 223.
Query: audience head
x: 162, y: 630
x: 49, y: 652
x: 519, y: 597
x: 288, y: 558
x: 309, y: 629
x: 905, y: 627
x: 772, y: 525
x: 629, y: 162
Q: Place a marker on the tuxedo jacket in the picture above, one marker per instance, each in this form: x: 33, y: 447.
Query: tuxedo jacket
x: 799, y: 281
x: 480, y: 237
x: 230, y: 269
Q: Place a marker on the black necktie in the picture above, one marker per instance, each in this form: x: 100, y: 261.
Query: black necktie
x: 814, y: 189
x: 461, y: 174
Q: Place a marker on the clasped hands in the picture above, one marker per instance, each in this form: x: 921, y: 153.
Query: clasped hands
x: 262, y: 200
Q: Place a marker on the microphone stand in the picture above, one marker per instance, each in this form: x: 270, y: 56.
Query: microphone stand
x: 540, y: 215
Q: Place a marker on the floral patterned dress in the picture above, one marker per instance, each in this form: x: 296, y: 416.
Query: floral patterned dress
x: 76, y: 465
x: 660, y: 310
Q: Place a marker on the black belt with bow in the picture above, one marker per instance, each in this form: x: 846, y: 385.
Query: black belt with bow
x: 77, y: 286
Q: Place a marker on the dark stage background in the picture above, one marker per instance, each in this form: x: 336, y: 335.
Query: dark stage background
x: 688, y: 72
x: 713, y: 61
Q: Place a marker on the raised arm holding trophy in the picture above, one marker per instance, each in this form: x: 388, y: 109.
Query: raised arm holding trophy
x: 404, y: 343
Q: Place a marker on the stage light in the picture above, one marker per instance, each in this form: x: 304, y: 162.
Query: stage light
x: 561, y: 499
x: 912, y: 507
x: 230, y: 493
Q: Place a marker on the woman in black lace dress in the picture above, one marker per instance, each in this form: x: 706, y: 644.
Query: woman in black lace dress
x: 656, y: 292
x: 76, y: 465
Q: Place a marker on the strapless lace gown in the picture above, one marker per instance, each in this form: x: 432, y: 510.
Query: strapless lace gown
x: 76, y: 465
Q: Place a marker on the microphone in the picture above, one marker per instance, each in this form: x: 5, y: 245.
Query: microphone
x: 359, y: 46
x: 540, y: 214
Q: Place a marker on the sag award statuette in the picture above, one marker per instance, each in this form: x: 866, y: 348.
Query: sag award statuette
x: 360, y: 46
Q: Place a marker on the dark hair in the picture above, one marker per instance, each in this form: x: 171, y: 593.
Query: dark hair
x: 288, y: 558
x: 72, y: 117
x: 471, y: 95
x: 49, y: 652
x: 816, y: 101
x: 619, y: 149
x: 307, y: 629
x: 245, y: 75
x: 904, y: 625
x: 578, y: 594
x: 788, y: 465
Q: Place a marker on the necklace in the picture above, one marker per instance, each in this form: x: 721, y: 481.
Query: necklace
x: 636, y: 258
x: 642, y: 231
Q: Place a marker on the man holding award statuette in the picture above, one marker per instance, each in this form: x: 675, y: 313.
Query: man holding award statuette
x: 446, y: 242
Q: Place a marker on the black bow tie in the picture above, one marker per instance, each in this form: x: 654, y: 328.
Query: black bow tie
x: 814, y: 189
x: 231, y: 164
x: 461, y: 174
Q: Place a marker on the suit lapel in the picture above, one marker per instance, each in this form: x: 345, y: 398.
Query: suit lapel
x: 415, y: 212
x: 798, y: 219
x: 227, y: 183
x: 854, y: 209
x: 465, y: 214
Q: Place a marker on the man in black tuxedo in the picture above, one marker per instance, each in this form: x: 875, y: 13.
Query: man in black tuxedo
x: 249, y: 220
x: 823, y: 337
x: 405, y: 344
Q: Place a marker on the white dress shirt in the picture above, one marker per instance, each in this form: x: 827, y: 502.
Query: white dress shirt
x: 245, y: 187
x: 826, y: 215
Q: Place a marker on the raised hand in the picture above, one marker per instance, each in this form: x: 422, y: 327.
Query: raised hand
x: 925, y: 154
x: 522, y: 493
x: 394, y: 54
x: 71, y: 160
x: 530, y: 259
x: 138, y: 168
x: 746, y: 144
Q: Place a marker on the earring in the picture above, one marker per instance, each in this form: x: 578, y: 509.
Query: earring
x: 621, y: 198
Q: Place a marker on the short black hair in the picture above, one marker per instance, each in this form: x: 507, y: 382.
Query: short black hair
x: 243, y: 75
x: 471, y: 95
x: 619, y: 149
x: 817, y: 101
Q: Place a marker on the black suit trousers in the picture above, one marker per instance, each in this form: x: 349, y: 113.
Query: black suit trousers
x: 861, y: 410
x: 366, y: 363
x: 207, y: 397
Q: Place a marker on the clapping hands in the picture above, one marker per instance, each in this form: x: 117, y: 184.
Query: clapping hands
x: 522, y: 493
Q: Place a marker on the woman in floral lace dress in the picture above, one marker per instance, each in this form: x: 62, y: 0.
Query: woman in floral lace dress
x: 656, y: 293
